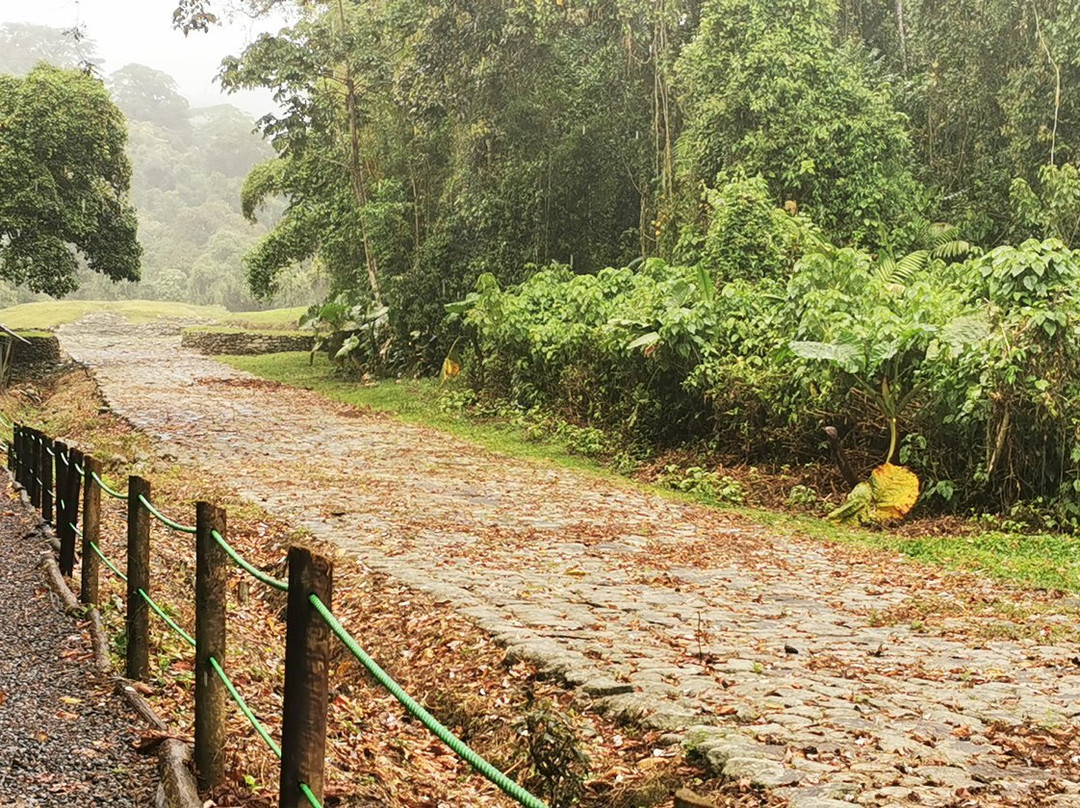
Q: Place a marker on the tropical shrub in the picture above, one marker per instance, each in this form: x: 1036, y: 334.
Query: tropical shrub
x: 964, y: 368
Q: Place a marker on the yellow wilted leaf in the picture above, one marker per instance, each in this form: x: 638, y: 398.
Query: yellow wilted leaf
x: 895, y: 490
x: 450, y: 369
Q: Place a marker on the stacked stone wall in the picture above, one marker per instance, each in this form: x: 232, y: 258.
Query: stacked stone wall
x: 213, y: 343
x: 36, y: 350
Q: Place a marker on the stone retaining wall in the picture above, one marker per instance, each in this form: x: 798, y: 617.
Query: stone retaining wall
x: 40, y: 350
x: 246, y: 342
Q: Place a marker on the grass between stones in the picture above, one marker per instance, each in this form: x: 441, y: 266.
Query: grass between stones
x: 377, y: 756
x: 1040, y: 561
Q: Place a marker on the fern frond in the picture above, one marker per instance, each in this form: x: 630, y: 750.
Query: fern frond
x: 910, y: 264
x: 940, y: 233
x: 952, y: 250
x: 892, y: 272
x: 884, y: 268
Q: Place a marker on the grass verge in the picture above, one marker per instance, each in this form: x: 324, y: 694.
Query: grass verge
x: 414, y: 401
x: 1041, y: 561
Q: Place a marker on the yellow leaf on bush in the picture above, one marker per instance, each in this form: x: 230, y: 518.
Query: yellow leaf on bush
x: 895, y: 490
x: 450, y: 368
x: 888, y: 496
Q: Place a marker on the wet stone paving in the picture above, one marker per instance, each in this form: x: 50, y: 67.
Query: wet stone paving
x: 767, y: 654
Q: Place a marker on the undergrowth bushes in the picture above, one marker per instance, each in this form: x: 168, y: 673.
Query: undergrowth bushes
x: 961, y: 365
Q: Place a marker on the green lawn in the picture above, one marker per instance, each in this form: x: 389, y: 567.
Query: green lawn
x: 273, y: 319
x: 53, y: 313
x: 1041, y: 561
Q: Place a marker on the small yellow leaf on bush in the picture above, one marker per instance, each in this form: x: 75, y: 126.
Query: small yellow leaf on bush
x: 895, y: 490
x: 450, y: 368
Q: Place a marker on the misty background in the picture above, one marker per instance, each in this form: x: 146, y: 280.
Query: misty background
x: 190, y: 144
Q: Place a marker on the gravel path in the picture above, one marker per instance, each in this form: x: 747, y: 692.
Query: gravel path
x: 65, y: 737
x: 778, y: 650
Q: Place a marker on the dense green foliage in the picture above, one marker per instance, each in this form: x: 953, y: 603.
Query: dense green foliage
x: 63, y: 182
x: 975, y: 359
x: 763, y: 172
x: 766, y: 90
x: 420, y: 145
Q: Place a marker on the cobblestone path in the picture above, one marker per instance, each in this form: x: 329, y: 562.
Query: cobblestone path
x: 775, y: 655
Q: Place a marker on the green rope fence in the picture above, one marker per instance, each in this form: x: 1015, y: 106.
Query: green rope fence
x: 164, y: 519
x: 243, y: 705
x: 168, y: 620
x: 248, y: 713
x: 505, y: 784
x: 247, y: 566
x: 105, y: 487
x: 459, y: 747
x: 109, y: 564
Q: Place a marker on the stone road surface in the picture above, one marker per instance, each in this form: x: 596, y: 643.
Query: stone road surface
x: 769, y: 653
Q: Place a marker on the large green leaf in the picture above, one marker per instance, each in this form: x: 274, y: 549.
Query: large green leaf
x: 846, y: 355
x: 964, y: 331
x: 644, y: 341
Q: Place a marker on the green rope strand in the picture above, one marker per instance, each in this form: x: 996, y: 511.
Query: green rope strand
x: 241, y: 562
x: 104, y: 487
x: 108, y: 563
x: 505, y: 784
x: 164, y: 519
x: 311, y: 798
x: 248, y: 714
x: 171, y: 623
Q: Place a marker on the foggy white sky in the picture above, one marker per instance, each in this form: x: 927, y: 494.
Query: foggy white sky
x: 141, y: 31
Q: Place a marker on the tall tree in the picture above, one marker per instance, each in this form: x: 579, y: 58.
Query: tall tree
x: 145, y: 94
x: 766, y: 90
x: 64, y: 181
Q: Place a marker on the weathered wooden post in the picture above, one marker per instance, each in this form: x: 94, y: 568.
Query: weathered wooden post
x: 63, y: 530
x: 69, y: 514
x: 17, y: 451
x: 24, y: 456
x: 138, y: 572
x: 33, y: 488
x: 60, y: 450
x: 45, y: 472
x: 211, y: 583
x: 307, y: 662
x: 90, y: 565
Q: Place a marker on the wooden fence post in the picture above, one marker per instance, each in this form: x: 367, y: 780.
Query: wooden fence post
x: 69, y: 514
x: 89, y: 563
x: 60, y: 449
x: 23, y: 457
x: 307, y: 660
x: 63, y: 529
x: 211, y: 585
x: 45, y: 472
x: 138, y: 572
x: 33, y: 488
x: 17, y: 440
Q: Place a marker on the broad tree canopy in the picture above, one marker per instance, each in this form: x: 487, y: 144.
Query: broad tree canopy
x: 64, y: 181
